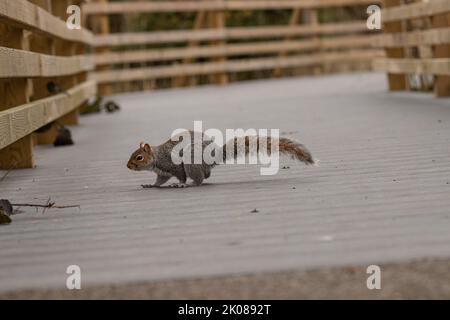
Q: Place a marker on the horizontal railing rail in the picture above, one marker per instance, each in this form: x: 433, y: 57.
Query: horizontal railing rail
x: 43, y: 76
x: 417, y: 43
x: 252, y: 48
x: 304, y: 44
x: 122, y: 7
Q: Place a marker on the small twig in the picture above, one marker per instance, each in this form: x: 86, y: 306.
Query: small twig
x: 50, y: 205
x: 8, y: 172
x: 5, y: 175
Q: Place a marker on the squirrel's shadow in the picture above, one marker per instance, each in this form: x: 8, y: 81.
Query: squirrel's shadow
x: 289, y: 181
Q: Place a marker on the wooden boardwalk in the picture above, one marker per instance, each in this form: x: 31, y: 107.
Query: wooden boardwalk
x: 381, y: 194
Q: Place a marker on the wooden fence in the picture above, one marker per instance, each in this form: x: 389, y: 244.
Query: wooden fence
x: 36, y: 48
x: 417, y: 43
x: 216, y: 51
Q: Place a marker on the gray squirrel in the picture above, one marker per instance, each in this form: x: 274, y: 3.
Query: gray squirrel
x: 158, y: 158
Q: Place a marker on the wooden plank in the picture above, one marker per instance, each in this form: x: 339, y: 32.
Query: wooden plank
x: 100, y: 26
x: 217, y: 21
x: 16, y: 63
x: 442, y: 82
x: 22, y: 120
x: 415, y: 66
x: 231, y: 66
x: 198, y: 23
x: 65, y: 48
x: 311, y: 17
x: 29, y: 16
x: 123, y: 7
x: 124, y: 39
x: 14, y: 92
x: 18, y: 155
x: 414, y: 38
x: 42, y: 44
x: 396, y: 82
x: 49, y: 136
x: 379, y: 195
x: 415, y: 10
x: 340, y: 42
x: 293, y: 20
x: 72, y: 118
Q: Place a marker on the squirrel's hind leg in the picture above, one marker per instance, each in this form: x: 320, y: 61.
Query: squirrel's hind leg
x: 181, y: 176
x: 195, y: 172
x: 160, y: 180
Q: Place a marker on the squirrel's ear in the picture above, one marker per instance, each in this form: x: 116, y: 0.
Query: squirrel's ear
x: 147, y: 148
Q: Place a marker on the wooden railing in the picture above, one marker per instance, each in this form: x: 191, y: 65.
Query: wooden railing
x: 36, y: 48
x: 215, y: 51
x: 417, y: 43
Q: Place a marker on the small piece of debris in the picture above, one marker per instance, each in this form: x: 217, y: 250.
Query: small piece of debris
x: 326, y: 238
x: 6, y: 209
x: 63, y: 138
x: 285, y: 167
x: 352, y: 269
x: 4, y: 218
x: 254, y: 211
x: 439, y: 121
x: 294, y: 188
x: 6, y: 206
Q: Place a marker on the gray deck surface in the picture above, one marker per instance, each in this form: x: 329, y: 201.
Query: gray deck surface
x: 381, y: 194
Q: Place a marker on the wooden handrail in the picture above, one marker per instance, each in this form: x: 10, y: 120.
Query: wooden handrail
x: 16, y: 63
x: 415, y: 10
x: 123, y: 7
x: 124, y: 39
x: 28, y: 16
x: 18, y: 122
x: 429, y: 64
x: 252, y: 48
x: 417, y: 66
x: 413, y: 38
x: 38, y: 48
x: 112, y: 76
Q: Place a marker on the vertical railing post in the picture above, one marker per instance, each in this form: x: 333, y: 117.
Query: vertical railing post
x: 397, y: 82
x: 294, y: 20
x: 441, y: 83
x: 100, y: 25
x: 217, y: 21
x: 192, y: 80
x: 43, y: 45
x: 15, y: 92
x: 311, y: 17
x: 64, y: 48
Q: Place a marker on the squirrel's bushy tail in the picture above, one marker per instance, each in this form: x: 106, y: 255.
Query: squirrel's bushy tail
x: 242, y: 146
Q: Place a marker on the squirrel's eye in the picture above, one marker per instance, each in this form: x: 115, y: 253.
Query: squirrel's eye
x: 139, y: 158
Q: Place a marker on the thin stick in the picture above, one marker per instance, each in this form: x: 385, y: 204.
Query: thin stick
x: 5, y: 175
x: 51, y: 205
x: 9, y: 171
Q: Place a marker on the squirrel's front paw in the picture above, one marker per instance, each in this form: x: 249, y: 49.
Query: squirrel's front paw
x: 179, y: 185
x: 147, y: 186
